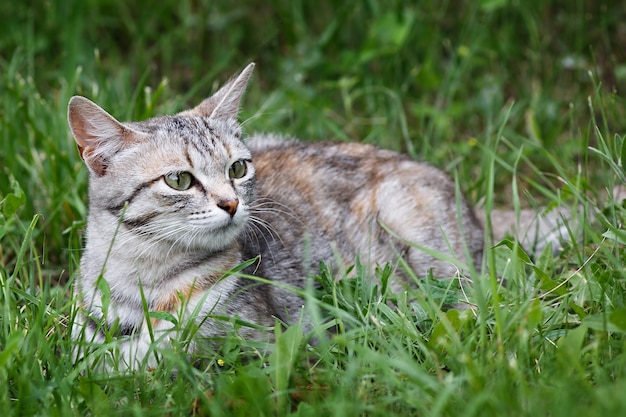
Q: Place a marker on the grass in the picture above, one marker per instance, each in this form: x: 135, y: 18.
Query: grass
x: 521, y: 102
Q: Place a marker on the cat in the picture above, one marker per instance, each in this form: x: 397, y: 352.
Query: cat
x: 176, y: 202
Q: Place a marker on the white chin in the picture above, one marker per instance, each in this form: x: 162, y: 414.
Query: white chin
x: 216, y: 240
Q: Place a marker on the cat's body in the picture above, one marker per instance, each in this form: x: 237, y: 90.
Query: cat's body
x: 177, y: 201
x: 334, y: 201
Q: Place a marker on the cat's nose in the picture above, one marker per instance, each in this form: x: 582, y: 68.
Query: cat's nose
x: 229, y: 206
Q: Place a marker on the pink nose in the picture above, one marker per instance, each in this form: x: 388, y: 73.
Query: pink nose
x: 229, y: 206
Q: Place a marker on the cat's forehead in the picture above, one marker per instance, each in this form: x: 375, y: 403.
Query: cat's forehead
x: 189, y: 141
x: 206, y: 135
x: 191, y: 127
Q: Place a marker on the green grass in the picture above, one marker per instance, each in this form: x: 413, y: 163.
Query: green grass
x: 521, y: 101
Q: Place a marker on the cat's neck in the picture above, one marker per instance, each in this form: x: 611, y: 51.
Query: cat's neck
x: 136, y: 266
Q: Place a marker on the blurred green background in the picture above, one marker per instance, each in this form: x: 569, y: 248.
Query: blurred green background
x: 510, y: 97
x: 441, y: 80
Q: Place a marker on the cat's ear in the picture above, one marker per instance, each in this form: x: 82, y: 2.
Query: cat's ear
x: 98, y: 134
x: 224, y: 104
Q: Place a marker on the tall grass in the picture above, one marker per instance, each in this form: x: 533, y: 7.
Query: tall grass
x: 521, y: 102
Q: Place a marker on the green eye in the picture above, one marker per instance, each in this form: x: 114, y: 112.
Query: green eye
x: 238, y: 169
x: 180, y: 181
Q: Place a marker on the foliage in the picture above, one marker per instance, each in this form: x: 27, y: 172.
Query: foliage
x: 521, y: 102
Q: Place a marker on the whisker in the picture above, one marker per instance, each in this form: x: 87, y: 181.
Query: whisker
x: 267, y: 205
x: 249, y: 232
x: 266, y: 225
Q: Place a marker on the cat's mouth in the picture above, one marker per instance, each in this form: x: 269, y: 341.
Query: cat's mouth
x: 217, y: 224
x: 224, y: 228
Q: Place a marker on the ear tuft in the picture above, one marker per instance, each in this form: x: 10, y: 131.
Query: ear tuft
x: 224, y: 104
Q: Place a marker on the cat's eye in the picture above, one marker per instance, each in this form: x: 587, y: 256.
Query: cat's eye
x: 179, y: 181
x: 238, y: 169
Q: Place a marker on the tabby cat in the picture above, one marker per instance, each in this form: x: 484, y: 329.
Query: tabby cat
x: 175, y: 202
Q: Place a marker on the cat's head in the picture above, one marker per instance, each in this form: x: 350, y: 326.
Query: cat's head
x: 185, y: 180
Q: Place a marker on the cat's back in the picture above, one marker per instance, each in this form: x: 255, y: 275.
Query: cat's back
x: 334, y: 167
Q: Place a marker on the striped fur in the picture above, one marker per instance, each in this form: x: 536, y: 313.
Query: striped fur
x: 295, y: 205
